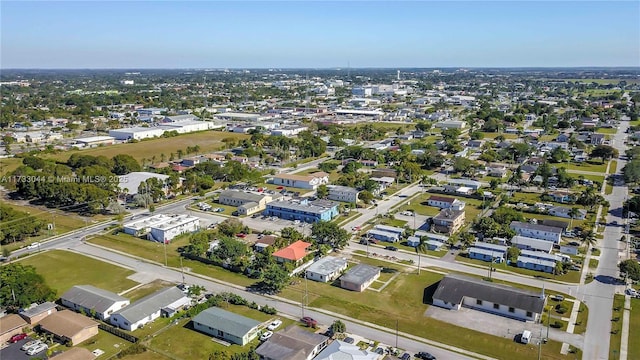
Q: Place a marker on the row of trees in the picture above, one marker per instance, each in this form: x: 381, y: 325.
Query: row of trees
x: 17, y: 225
x: 21, y: 285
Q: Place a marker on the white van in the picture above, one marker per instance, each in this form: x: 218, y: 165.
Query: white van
x: 526, y: 337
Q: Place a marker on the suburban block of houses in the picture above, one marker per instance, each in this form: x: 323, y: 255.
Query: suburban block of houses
x: 537, y: 231
x: 311, y: 181
x: 92, y: 300
x: 455, y: 291
x: 223, y: 324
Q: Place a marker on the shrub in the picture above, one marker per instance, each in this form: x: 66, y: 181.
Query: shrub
x: 134, y: 349
x: 268, y: 310
x: 556, y: 324
x: 560, y: 309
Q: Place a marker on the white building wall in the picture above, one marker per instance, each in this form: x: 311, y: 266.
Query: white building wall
x: 122, y: 323
x: 501, y: 310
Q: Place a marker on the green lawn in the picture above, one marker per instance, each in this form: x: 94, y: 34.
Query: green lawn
x: 581, y: 320
x: 607, y: 130
x: 608, y: 189
x: 147, y: 289
x: 493, y: 135
x: 64, y: 222
x: 634, y: 330
x: 106, y: 342
x: 596, y: 167
x: 405, y: 300
x: 147, y: 355
x: 63, y: 269
x: 333, y: 176
x: 155, y: 251
x: 616, y: 326
x: 593, y: 263
x: 571, y: 276
x: 594, y: 178
x: 7, y: 165
x: 576, y: 223
x: 207, y: 140
x: 419, y: 205
x: 392, y: 222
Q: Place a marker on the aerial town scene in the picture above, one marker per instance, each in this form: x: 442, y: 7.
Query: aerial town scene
x: 355, y: 180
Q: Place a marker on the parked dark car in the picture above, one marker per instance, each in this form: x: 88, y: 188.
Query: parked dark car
x: 391, y: 248
x: 405, y: 356
x: 425, y: 356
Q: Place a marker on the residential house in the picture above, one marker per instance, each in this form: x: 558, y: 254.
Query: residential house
x: 497, y: 171
x: 448, y: 221
x: 93, y: 301
x: 536, y: 264
x: 326, y: 269
x: 311, y: 181
x: 36, y: 313
x: 564, y: 137
x: 383, y: 183
x: 359, y: 277
x: 293, y: 253
x: 472, y: 184
x: 443, y: 202
x: 563, y: 212
x: 166, y: 301
x: 250, y: 202
x: 10, y: 325
x: 343, y: 193
x: 561, y: 196
x: 488, y: 252
x: 569, y: 249
x: 527, y: 243
x: 536, y: 231
x: 382, y: 235
x: 292, y: 343
x: 225, y: 325
x: 340, y: 350
x: 69, y: 327
x: 455, y: 291
x: 596, y: 139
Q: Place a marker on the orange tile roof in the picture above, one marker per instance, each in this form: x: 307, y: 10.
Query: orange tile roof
x: 293, y: 252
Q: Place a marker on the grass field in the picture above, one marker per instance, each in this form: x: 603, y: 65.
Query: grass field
x: 64, y: 222
x: 607, y: 130
x: 106, y: 342
x: 64, y: 269
x: 586, y: 166
x: 404, y: 300
x: 616, y: 326
x: 593, y: 263
x: 147, y: 289
x: 207, y: 140
x: 147, y: 355
x: 634, y: 330
x: 418, y: 204
x: 581, y: 320
x: 155, y: 252
x: 493, y: 135
x: 571, y: 276
x: 9, y: 164
x: 608, y: 189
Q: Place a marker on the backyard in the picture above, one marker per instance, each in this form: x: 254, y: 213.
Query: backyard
x: 63, y: 269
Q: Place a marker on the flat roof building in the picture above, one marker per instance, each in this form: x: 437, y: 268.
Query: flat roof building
x: 307, y: 211
x: 326, y: 269
x: 359, y: 277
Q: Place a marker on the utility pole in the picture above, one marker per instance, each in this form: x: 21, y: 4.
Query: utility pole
x: 181, y: 268
x: 396, y: 333
x: 165, y: 251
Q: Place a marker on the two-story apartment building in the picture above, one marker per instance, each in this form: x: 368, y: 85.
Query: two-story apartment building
x: 343, y: 193
x: 443, y: 202
x: 311, y: 181
x: 543, y: 232
x: 448, y: 221
x: 307, y: 211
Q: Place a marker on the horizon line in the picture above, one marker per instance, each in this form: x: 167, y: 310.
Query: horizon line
x: 337, y: 68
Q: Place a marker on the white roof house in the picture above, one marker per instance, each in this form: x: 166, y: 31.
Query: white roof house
x: 326, y: 269
x: 176, y: 225
x: 340, y: 350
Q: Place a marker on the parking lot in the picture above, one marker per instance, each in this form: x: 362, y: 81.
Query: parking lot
x: 274, y: 224
x: 13, y: 352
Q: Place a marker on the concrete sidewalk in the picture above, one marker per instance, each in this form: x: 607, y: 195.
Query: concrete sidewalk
x: 574, y: 315
x: 624, y: 342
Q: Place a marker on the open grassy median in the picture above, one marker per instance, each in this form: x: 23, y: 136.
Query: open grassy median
x: 634, y: 330
x: 616, y: 326
x: 63, y: 269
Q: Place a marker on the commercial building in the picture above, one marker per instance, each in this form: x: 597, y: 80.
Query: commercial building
x: 326, y: 269
x: 95, y: 140
x: 448, y: 221
x: 359, y: 277
x: 292, y: 343
x: 543, y: 232
x: 161, y: 227
x: 307, y: 211
x: 149, y: 308
x: 68, y: 326
x: 136, y: 133
x: 94, y: 301
x: 343, y: 193
x: 455, y: 291
x: 311, y: 181
x: 130, y: 183
x: 247, y: 202
x: 226, y: 325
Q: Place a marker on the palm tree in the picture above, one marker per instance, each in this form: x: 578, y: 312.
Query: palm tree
x: 421, y: 248
x: 573, y: 213
x: 588, y: 237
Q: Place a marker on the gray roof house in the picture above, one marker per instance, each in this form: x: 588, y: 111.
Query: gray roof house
x: 226, y: 325
x: 455, y: 291
x: 90, y: 299
x: 359, y: 277
x: 149, y: 308
x: 326, y: 269
x: 37, y: 312
x: 292, y: 343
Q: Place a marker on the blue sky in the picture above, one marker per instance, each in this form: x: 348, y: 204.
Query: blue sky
x: 323, y: 34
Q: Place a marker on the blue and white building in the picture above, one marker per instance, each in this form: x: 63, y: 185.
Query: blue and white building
x: 383, y: 235
x: 305, y: 210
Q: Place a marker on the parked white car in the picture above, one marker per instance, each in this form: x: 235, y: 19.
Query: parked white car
x: 26, y: 346
x: 274, y: 325
x: 265, y: 336
x: 37, y: 349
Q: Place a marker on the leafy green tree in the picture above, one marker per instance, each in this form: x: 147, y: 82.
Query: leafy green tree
x: 631, y: 171
x: 512, y: 254
x: 230, y: 227
x: 322, y: 192
x: 605, y: 152
x: 325, y: 232
x: 365, y: 196
x: 124, y: 164
x: 338, y: 327
x: 21, y: 286
x: 630, y: 267
x: 274, y: 279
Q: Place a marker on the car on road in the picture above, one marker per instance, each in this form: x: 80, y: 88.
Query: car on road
x: 29, y: 344
x: 425, y: 356
x: 17, y: 337
x: 241, y: 235
x: 631, y: 292
x: 37, y: 349
x: 266, y: 335
x: 391, y: 248
x: 274, y: 325
x: 310, y: 322
x: 356, y: 228
x: 34, y: 245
